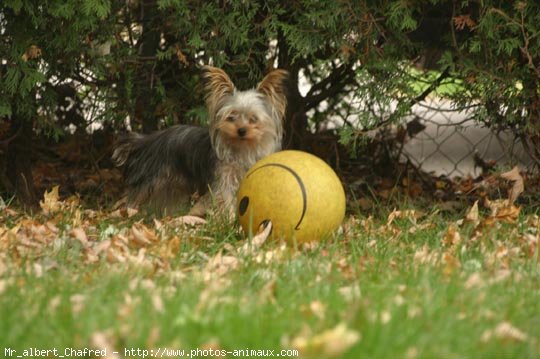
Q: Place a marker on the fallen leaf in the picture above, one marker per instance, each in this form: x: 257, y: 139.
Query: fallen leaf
x: 409, y: 214
x: 142, y: 235
x: 502, y: 210
x: 212, y: 295
x: 103, y: 341
x: 191, y: 220
x: 268, y: 292
x: 474, y: 280
x: 331, y: 343
x: 473, y: 215
x: 508, y: 214
x: 157, y: 303
x: 80, y: 235
x: 518, y: 185
x: 450, y: 263
x: 77, y: 303
x: 504, y: 331
x: 425, y: 256
x: 411, y: 353
x: 219, y: 265
x: 385, y: 317
x: 452, y: 236
x: 258, y: 240
x: 54, y: 303
x: 50, y: 203
x: 315, y: 308
x: 131, y: 211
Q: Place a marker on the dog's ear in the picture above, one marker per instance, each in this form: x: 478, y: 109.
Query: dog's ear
x: 274, y: 87
x: 217, y: 86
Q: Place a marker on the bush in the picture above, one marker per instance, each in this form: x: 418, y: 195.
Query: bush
x: 84, y: 62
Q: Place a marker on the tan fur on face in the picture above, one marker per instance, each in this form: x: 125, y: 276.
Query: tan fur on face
x: 229, y: 133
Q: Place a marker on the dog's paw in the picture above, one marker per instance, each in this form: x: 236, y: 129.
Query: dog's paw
x: 191, y: 220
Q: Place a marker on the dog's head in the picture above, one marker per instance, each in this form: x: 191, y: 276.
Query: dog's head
x: 249, y: 120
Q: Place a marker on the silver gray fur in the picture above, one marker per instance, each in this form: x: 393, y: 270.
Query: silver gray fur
x: 164, y: 168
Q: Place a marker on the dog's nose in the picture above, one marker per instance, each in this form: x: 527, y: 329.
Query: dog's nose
x: 241, y: 131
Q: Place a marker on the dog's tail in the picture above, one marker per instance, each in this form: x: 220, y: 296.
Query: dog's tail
x: 124, y: 147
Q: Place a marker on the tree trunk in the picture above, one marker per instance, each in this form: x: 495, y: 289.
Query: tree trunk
x: 145, y: 104
x: 16, y: 163
x: 296, y: 121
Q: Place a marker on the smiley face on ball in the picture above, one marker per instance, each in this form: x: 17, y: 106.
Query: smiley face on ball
x: 298, y: 192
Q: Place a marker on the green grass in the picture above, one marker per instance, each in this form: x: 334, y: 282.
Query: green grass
x: 398, y: 290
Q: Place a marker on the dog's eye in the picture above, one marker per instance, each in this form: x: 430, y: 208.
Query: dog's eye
x: 253, y: 119
x: 230, y: 119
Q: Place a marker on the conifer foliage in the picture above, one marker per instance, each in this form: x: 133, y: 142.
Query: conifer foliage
x: 67, y: 66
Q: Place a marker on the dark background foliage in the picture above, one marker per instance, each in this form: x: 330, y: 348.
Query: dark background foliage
x: 67, y: 67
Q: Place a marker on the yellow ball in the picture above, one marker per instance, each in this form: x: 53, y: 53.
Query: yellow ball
x: 298, y: 192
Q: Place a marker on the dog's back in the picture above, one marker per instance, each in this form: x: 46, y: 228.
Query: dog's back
x: 162, y: 170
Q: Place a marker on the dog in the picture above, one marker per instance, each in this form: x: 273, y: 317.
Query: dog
x: 166, y: 170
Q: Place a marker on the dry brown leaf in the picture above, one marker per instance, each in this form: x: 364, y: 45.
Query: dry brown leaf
x: 170, y: 247
x: 425, y: 256
x: 508, y: 214
x: 331, y: 343
x: 502, y: 210
x: 268, y: 292
x: 474, y: 280
x: 157, y: 302
x: 51, y: 203
x: 518, y: 185
x: 219, y: 265
x: 409, y: 214
x: 462, y: 21
x: 272, y: 255
x: 54, y: 303
x: 473, y: 215
x: 213, y: 295
x: 31, y: 53
x: 385, y: 316
x: 190, y: 220
x: 315, y: 308
x: 77, y: 303
x: 80, y: 235
x: 411, y: 353
x: 452, y: 236
x: 124, y: 212
x: 258, y: 240
x: 504, y: 331
x: 142, y: 235
x: 103, y: 341
x: 451, y: 263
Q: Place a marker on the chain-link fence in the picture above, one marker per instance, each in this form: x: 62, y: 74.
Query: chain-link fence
x: 447, y: 141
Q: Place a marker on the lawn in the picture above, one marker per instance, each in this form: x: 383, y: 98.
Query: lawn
x: 407, y: 283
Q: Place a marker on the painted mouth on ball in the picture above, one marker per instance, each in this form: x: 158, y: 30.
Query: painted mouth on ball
x: 244, y: 202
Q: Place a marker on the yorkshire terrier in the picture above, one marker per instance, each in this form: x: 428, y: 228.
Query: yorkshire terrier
x: 165, y: 170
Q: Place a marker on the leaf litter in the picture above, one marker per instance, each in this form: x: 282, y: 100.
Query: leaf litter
x: 168, y: 247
